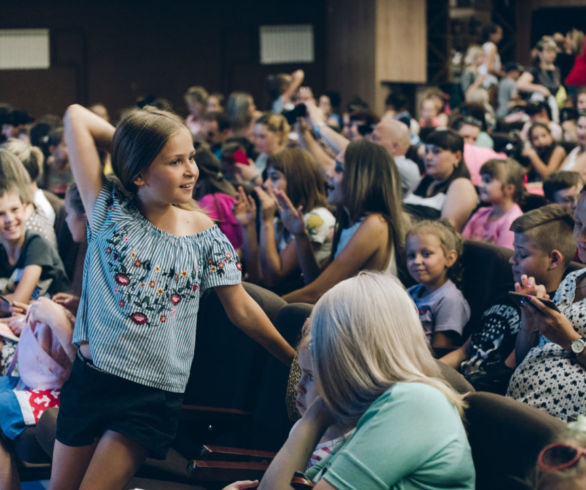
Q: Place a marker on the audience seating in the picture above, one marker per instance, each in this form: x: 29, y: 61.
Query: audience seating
x: 506, y: 437
x: 486, y: 275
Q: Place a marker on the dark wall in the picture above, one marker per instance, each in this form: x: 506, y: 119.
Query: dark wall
x: 115, y: 52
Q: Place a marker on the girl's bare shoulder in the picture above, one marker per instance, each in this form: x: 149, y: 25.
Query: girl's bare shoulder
x: 193, y: 221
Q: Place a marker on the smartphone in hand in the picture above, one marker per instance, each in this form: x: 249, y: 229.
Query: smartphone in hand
x: 521, y: 299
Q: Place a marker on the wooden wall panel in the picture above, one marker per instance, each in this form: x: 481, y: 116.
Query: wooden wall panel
x: 119, y: 51
x: 401, y: 45
x: 401, y: 36
x: 350, y: 48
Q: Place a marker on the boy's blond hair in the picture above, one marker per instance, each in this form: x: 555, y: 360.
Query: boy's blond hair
x: 550, y: 228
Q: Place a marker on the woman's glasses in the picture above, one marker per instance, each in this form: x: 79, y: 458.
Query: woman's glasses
x: 559, y: 456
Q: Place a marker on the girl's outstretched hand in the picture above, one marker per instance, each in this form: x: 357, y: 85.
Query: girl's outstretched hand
x: 268, y: 203
x: 238, y: 485
x: 291, y: 218
x: 244, y: 208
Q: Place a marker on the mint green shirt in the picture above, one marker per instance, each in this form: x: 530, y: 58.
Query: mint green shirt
x: 411, y: 437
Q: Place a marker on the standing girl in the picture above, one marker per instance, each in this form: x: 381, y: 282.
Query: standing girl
x: 544, y: 154
x: 502, y: 188
x: 149, y: 257
x: 433, y: 250
x: 366, y: 189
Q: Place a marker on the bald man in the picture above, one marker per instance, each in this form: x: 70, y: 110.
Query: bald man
x: 395, y: 138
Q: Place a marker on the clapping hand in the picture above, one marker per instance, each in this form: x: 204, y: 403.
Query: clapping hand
x: 244, y: 208
x: 268, y: 203
x: 291, y: 218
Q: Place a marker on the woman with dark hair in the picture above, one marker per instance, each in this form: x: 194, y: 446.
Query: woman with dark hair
x: 446, y: 190
x: 273, y: 255
x: 370, y: 233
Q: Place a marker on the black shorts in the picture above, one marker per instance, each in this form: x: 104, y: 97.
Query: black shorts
x: 93, y: 401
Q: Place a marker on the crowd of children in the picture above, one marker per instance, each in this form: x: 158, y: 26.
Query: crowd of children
x: 305, y: 200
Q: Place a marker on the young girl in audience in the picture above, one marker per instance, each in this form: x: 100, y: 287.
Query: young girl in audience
x: 272, y: 255
x: 306, y: 393
x: 502, y: 188
x: 271, y: 134
x: 432, y: 115
x: 150, y: 254
x: 543, y: 153
x: 366, y: 189
x: 373, y: 369
x: 433, y: 251
x: 576, y: 159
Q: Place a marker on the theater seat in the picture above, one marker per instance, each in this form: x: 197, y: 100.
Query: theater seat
x: 506, y: 437
x: 486, y: 275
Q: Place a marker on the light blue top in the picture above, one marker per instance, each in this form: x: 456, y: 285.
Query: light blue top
x: 411, y: 437
x: 141, y: 289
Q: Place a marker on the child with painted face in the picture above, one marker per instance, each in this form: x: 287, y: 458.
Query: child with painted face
x: 433, y: 250
x: 502, y: 188
x: 150, y: 255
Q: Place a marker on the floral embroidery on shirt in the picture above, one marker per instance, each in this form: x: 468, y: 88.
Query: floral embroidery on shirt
x: 155, y: 302
x: 218, y: 263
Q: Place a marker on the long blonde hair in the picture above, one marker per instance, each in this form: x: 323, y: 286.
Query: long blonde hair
x: 365, y: 337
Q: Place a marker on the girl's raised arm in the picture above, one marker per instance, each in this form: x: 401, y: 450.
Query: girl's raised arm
x: 85, y: 133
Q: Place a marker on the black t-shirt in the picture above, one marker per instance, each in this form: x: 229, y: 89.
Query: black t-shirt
x: 35, y: 251
x: 490, y: 346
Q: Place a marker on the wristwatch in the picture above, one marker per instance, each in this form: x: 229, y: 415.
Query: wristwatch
x: 578, y: 346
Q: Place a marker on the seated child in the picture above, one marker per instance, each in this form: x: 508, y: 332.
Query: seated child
x: 44, y: 363
x: 13, y: 170
x: 543, y: 248
x: 433, y: 250
x: 544, y: 154
x: 502, y: 188
x: 29, y: 266
x: 563, y: 188
x: 306, y: 393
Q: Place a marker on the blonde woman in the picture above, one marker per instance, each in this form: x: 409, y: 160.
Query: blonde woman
x: 271, y: 134
x: 373, y: 368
